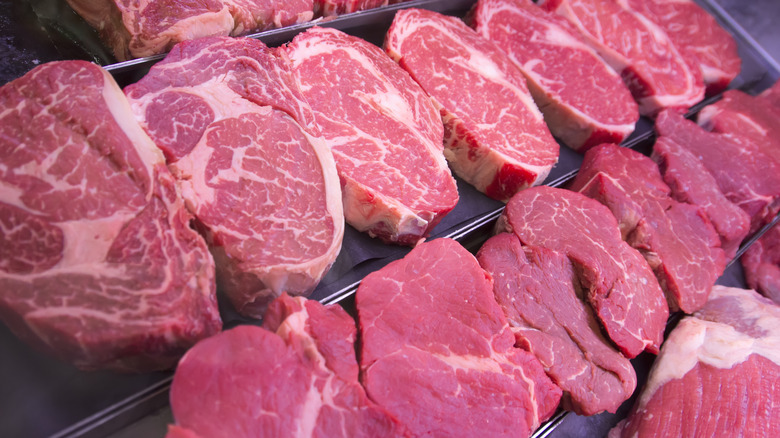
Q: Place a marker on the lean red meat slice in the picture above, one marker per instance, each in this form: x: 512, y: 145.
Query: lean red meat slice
x: 746, y: 174
x: 384, y: 131
x: 437, y: 351
x: 690, y: 182
x: 677, y: 240
x: 298, y: 376
x: 701, y: 40
x: 231, y: 120
x: 761, y: 263
x: 494, y: 136
x: 98, y: 264
x: 619, y: 284
x: 651, y: 66
x: 136, y: 29
x: 538, y: 291
x: 584, y: 103
x: 718, y: 373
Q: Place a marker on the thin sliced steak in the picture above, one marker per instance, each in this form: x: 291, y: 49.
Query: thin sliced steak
x: 438, y: 353
x: 619, y: 284
x: 494, y: 136
x: 298, y: 376
x: 691, y: 182
x: 584, y: 102
x: 384, y: 131
x: 761, y: 264
x: 651, y: 66
x: 718, y: 373
x: 539, y: 294
x: 677, y: 240
x: 265, y: 192
x: 701, y: 40
x: 327, y: 8
x: 747, y: 175
x: 98, y: 264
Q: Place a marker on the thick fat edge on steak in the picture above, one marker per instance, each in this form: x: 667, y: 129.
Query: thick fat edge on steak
x: 732, y: 338
x: 621, y: 291
x: 580, y: 118
x: 395, y: 217
x: 495, y: 137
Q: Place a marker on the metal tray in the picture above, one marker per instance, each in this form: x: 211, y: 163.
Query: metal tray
x: 43, y: 397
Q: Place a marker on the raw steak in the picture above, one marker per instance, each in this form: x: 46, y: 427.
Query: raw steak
x: 584, y: 103
x: 701, y: 40
x: 619, y: 284
x: 384, y: 131
x: 98, y: 263
x: 494, y: 135
x: 231, y: 120
x: 690, y: 182
x: 133, y: 29
x: 743, y: 119
x: 298, y: 376
x: 652, y: 68
x: 718, y: 373
x: 328, y: 8
x: 746, y: 174
x: 539, y: 294
x: 761, y: 263
x: 437, y: 351
x: 677, y: 240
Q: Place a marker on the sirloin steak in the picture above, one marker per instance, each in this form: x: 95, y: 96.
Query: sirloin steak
x: 701, y: 41
x: 619, y: 284
x: 690, y: 182
x: 677, y: 240
x: 538, y: 292
x: 135, y: 29
x: 437, y: 351
x: 494, y: 135
x: 584, y: 102
x: 383, y: 130
x: 651, y: 66
x: 297, y: 376
x: 718, y: 373
x: 232, y: 122
x: 98, y: 264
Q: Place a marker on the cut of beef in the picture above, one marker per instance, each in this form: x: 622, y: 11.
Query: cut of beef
x: 651, y: 66
x: 328, y: 8
x: 701, y: 40
x: 231, y: 120
x: 620, y: 286
x: 536, y: 290
x: 133, y: 29
x: 718, y: 373
x: 494, y: 136
x: 437, y: 351
x: 584, y: 101
x: 761, y: 263
x: 690, y: 182
x: 298, y: 376
x: 98, y: 263
x: 745, y: 173
x: 677, y: 240
x: 384, y: 131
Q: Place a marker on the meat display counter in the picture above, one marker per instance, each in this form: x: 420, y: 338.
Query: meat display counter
x: 43, y: 397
